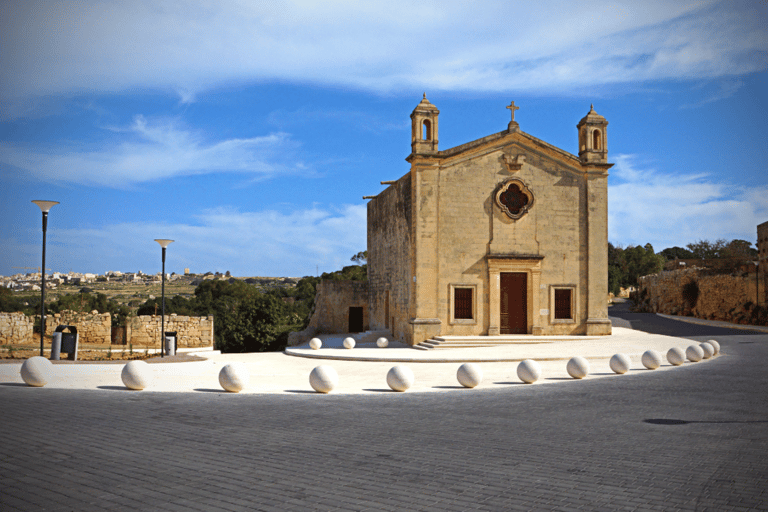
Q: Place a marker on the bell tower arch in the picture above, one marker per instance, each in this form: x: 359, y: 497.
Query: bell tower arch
x: 593, y: 146
x: 424, y: 128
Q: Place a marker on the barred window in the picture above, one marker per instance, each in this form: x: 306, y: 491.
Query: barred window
x: 462, y: 303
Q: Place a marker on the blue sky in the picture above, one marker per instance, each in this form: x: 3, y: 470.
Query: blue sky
x: 249, y: 133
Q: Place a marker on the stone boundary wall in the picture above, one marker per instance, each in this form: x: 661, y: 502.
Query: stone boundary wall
x: 96, y: 328
x: 93, y: 327
x: 16, y: 328
x: 191, y: 331
x: 730, y: 298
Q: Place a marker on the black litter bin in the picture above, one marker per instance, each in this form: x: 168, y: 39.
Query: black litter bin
x: 68, y: 340
x: 170, y: 343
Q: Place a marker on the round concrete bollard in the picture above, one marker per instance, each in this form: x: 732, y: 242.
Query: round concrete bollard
x: 315, y: 343
x: 715, y: 344
x: 708, y: 350
x: 620, y: 363
x: 578, y: 367
x: 136, y: 375
x: 469, y: 375
x: 400, y: 378
x: 36, y: 371
x: 382, y: 342
x: 676, y: 356
x: 234, y: 377
x: 323, y: 379
x: 529, y: 371
x: 349, y: 343
x: 651, y: 359
x: 694, y: 353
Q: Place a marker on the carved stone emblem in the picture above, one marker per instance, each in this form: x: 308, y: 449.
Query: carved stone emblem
x: 514, y: 163
x: 514, y: 198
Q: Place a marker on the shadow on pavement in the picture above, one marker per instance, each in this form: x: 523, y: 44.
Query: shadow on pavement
x: 621, y: 316
x: 665, y: 421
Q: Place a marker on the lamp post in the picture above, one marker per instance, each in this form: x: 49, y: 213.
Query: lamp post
x: 163, y: 243
x: 44, y: 207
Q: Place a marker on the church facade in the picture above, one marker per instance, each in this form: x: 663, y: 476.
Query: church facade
x: 504, y: 235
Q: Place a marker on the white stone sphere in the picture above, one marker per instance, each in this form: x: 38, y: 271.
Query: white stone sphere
x: 36, y: 371
x: 620, y: 363
x: 323, y: 379
x: 708, y: 350
x: 400, y: 378
x: 136, y: 375
x: 315, y: 343
x: 382, y: 342
x: 529, y: 371
x: 715, y: 344
x: 234, y: 377
x: 578, y: 367
x: 651, y: 359
x: 676, y: 356
x: 469, y: 375
x: 349, y: 343
x: 694, y: 353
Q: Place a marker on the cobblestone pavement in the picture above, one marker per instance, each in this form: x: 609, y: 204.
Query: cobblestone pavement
x: 695, y: 438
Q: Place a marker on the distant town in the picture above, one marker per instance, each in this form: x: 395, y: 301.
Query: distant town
x: 33, y: 281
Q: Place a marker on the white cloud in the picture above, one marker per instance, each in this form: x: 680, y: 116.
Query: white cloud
x: 187, y: 46
x: 151, y: 150
x: 645, y: 206
x: 257, y: 243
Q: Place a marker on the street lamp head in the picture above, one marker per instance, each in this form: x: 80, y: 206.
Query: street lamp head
x: 163, y: 242
x: 45, y: 205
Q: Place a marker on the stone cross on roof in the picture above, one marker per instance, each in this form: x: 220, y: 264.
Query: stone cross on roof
x: 512, y: 107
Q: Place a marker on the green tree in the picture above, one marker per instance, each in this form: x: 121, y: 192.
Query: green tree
x: 706, y: 250
x: 360, y: 258
x: 673, y: 253
x: 626, y: 265
x: 10, y: 303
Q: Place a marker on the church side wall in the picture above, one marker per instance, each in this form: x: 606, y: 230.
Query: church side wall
x: 472, y: 226
x: 389, y: 253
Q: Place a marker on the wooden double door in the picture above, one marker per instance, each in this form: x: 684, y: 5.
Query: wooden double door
x: 513, y: 303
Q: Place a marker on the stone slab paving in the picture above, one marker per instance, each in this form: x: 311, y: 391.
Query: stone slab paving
x: 690, y: 438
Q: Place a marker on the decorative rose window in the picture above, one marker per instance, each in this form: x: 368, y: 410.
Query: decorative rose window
x: 514, y: 198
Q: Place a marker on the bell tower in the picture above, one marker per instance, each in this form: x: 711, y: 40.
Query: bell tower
x: 424, y: 128
x: 593, y: 147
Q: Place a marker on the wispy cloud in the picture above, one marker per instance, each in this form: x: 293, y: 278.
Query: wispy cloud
x: 667, y: 210
x: 247, y: 243
x: 149, y: 150
x: 188, y: 46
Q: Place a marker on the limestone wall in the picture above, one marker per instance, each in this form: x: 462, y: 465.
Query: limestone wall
x: 16, y: 328
x: 93, y: 327
x: 720, y: 297
x: 332, y: 303
x: 191, y: 331
x: 389, y: 258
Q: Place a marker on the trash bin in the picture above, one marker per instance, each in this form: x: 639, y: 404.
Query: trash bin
x: 55, y: 346
x: 68, y: 340
x: 170, y: 343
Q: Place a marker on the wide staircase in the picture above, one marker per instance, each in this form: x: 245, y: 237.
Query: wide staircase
x: 441, y: 342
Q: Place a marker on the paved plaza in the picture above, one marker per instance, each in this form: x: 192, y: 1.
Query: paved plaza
x: 687, y: 438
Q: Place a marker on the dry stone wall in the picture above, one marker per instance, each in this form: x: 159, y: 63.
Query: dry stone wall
x: 93, y: 327
x: 730, y: 298
x: 96, y: 328
x: 191, y: 331
x: 15, y: 328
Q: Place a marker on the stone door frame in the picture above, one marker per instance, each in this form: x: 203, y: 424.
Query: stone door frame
x: 530, y: 265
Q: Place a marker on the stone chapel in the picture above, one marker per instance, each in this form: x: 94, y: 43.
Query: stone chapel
x: 506, y: 234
